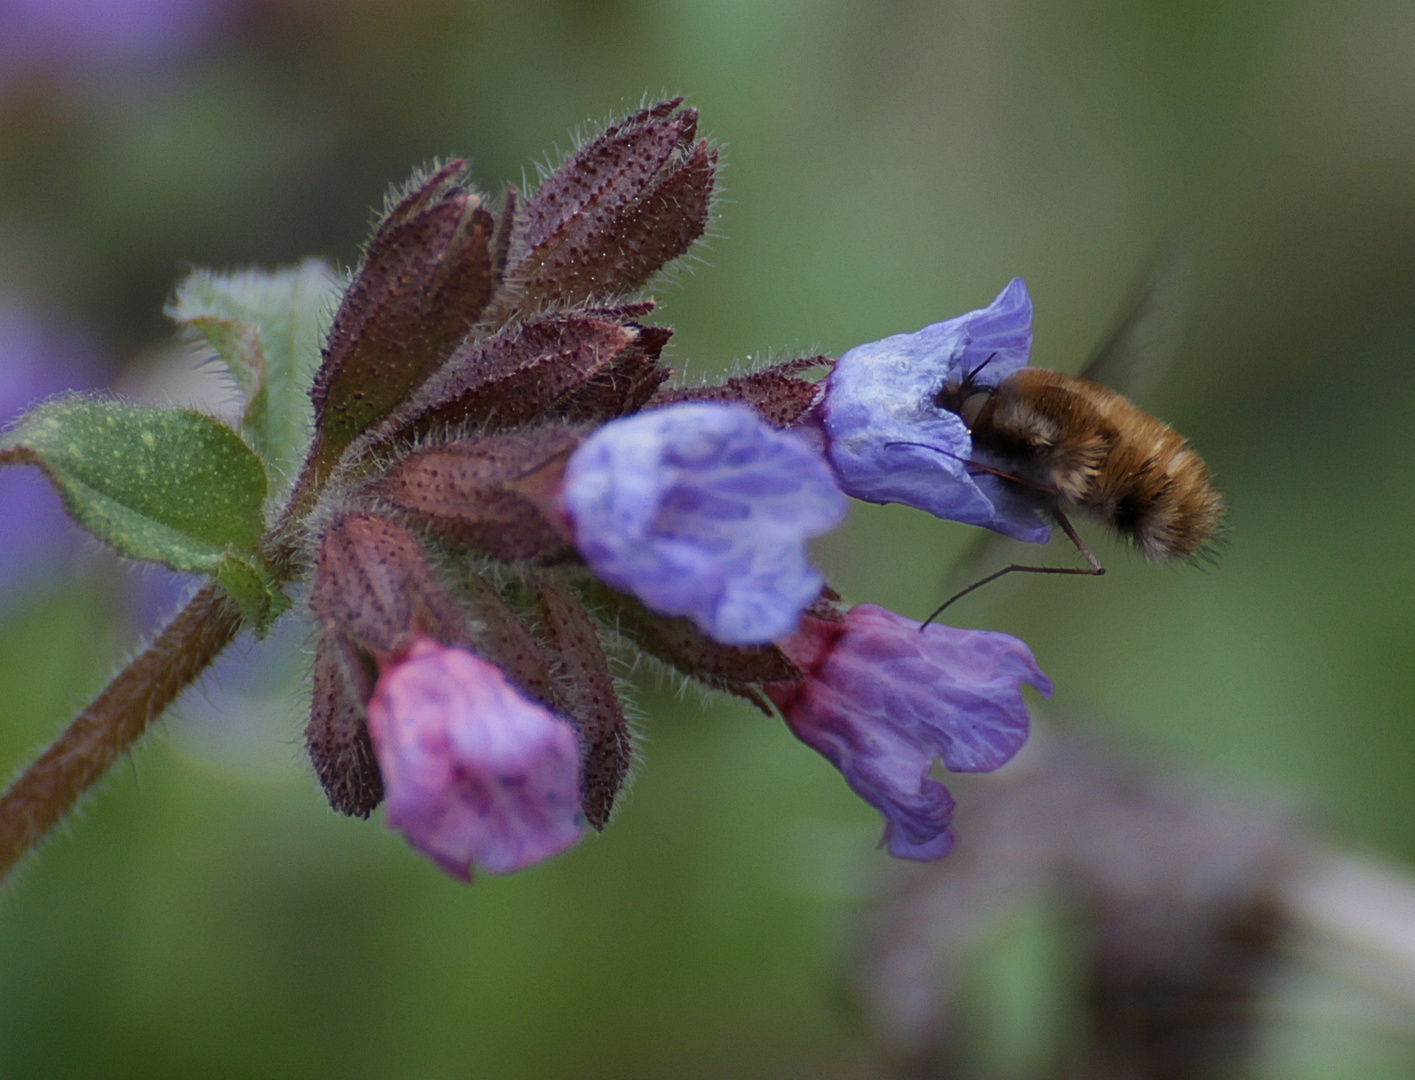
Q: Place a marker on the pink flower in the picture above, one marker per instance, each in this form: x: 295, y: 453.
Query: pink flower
x: 880, y: 700
x: 474, y: 771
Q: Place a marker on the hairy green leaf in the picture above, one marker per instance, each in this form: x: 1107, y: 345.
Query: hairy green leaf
x: 253, y: 590
x: 166, y: 485
x: 268, y: 328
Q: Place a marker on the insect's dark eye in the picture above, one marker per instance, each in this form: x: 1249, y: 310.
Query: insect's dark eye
x: 964, y: 398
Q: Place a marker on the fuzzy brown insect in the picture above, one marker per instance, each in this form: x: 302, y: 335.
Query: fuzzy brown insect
x: 1073, y: 444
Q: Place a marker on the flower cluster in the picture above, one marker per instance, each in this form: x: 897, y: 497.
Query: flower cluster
x: 601, y: 508
x: 499, y: 490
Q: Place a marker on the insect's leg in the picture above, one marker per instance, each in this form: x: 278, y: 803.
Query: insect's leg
x: 1095, y: 569
x: 1089, y: 571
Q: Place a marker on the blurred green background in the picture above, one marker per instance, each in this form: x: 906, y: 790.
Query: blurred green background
x: 889, y: 164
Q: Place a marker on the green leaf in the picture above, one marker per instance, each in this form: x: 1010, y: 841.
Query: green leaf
x: 268, y: 328
x: 166, y: 485
x: 253, y: 590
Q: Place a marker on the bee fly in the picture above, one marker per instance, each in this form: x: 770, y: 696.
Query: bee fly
x: 1069, y: 443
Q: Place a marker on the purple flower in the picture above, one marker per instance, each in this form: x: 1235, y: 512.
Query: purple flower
x: 474, y: 771
x: 83, y: 34
x: 890, y: 441
x: 42, y: 354
x: 39, y: 358
x: 880, y: 699
x: 704, y: 510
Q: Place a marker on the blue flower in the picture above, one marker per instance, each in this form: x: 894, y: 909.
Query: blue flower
x: 703, y: 510
x: 880, y: 700
x: 889, y: 440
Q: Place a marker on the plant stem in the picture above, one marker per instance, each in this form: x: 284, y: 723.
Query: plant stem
x: 1355, y: 917
x: 116, y: 718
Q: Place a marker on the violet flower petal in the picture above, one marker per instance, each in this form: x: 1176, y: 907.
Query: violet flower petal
x: 890, y: 442
x: 703, y: 510
x: 474, y: 771
x: 39, y: 357
x: 116, y: 34
x: 880, y: 699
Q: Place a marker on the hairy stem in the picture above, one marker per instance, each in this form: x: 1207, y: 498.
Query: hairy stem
x: 115, y: 719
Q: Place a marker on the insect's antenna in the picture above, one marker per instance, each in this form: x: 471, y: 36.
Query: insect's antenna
x: 968, y: 378
x: 1095, y: 569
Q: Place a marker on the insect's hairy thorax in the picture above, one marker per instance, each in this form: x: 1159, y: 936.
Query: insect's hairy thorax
x: 1054, y: 431
x: 1084, y: 445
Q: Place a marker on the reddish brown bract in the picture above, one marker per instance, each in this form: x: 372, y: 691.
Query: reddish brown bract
x: 426, y: 277
x: 777, y: 392
x: 497, y: 493
x: 470, y: 357
x: 336, y: 737
x: 623, y: 207
x: 588, y: 698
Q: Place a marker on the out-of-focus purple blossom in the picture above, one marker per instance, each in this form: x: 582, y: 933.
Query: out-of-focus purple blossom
x: 38, y: 358
x: 704, y: 510
x: 880, y: 700
x: 474, y: 771
x: 890, y: 441
x: 79, y: 35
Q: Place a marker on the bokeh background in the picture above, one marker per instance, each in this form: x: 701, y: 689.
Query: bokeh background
x: 890, y: 163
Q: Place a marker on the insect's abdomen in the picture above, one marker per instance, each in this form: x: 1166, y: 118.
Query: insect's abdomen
x: 1094, y: 450
x: 1156, y: 489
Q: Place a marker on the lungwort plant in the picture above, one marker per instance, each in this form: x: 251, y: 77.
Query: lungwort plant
x: 468, y: 466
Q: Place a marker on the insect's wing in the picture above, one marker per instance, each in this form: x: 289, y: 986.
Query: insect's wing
x: 1140, y: 347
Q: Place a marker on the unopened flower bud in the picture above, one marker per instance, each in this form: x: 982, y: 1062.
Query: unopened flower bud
x: 622, y: 207
x: 373, y: 583
x: 426, y: 276
x: 498, y: 494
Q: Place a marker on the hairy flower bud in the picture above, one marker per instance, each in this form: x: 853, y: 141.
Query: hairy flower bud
x: 778, y: 393
x: 889, y: 439
x: 703, y: 510
x: 426, y: 276
x: 880, y: 699
x: 374, y: 595
x: 586, y: 696
x: 372, y: 582
x: 476, y: 773
x: 529, y: 371
x: 498, y: 494
x: 336, y: 736
x: 621, y: 208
